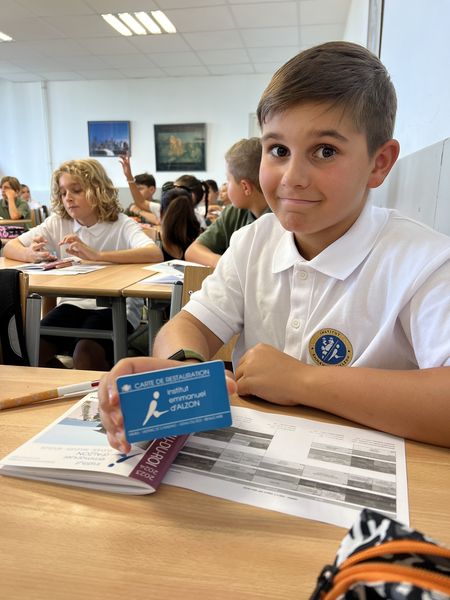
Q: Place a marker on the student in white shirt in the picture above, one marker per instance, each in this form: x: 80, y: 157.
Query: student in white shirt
x: 340, y: 306
x: 86, y: 222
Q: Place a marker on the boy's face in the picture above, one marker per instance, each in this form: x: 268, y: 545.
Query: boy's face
x: 25, y: 193
x: 75, y: 201
x: 315, y: 173
x: 147, y: 191
x: 7, y: 191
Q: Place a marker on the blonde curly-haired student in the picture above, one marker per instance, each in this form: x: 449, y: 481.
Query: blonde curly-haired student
x: 86, y: 222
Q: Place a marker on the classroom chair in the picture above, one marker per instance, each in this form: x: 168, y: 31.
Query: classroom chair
x: 19, y: 320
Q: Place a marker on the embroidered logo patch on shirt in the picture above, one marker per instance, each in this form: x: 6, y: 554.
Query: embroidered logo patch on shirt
x: 330, y: 347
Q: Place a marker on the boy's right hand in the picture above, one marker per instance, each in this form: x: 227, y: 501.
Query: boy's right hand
x: 37, y: 251
x: 109, y: 404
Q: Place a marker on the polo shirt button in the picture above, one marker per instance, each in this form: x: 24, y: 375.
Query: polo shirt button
x: 296, y: 323
x: 303, y: 275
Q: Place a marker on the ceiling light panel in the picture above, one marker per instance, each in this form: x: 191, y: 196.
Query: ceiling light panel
x: 164, y: 21
x: 148, y: 22
x: 140, y: 23
x: 133, y: 24
x: 117, y: 24
x: 4, y: 37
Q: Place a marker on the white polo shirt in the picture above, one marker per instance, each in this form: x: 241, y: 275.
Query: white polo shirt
x: 377, y: 297
x: 122, y: 234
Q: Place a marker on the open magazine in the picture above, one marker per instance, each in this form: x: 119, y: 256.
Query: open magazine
x: 74, y: 450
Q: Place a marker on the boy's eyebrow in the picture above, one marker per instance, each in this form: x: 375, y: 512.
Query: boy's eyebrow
x: 328, y: 133
x: 315, y: 133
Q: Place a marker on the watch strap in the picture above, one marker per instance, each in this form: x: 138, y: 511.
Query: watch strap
x: 187, y: 354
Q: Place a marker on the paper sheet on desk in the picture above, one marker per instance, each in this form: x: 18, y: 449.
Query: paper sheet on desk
x: 170, y: 271
x: 73, y: 270
x: 297, y: 466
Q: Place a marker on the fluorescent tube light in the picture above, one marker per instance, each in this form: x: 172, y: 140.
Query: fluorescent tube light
x: 148, y: 22
x: 5, y: 38
x: 117, y: 24
x: 134, y: 25
x: 164, y: 21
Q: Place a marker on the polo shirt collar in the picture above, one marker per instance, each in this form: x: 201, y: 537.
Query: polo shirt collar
x: 94, y: 230
x: 342, y: 257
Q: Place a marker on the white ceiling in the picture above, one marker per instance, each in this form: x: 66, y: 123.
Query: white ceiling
x: 57, y: 40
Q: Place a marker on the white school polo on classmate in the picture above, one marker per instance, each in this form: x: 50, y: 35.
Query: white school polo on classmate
x: 122, y: 234
x: 377, y: 297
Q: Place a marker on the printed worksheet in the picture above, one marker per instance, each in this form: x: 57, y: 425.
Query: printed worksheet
x: 297, y: 466
x: 76, y: 269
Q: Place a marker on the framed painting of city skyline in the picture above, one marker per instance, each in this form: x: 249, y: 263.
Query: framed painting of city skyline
x: 109, y: 138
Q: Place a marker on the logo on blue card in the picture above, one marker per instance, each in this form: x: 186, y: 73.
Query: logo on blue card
x: 174, y: 401
x: 152, y: 412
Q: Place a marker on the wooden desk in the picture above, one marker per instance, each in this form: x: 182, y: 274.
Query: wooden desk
x: 68, y: 543
x: 154, y: 291
x: 106, y: 283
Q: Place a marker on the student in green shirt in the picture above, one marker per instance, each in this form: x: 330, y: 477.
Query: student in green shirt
x: 248, y: 203
x: 11, y: 205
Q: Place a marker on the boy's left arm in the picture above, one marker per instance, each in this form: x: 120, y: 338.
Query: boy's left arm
x: 414, y: 404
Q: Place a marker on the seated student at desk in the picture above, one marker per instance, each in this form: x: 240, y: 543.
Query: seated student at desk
x: 87, y: 223
x: 12, y: 206
x: 340, y: 305
x: 242, y: 160
x: 199, y: 193
x: 25, y: 194
x: 179, y: 224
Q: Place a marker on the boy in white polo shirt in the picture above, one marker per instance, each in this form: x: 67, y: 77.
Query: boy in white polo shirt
x: 326, y: 282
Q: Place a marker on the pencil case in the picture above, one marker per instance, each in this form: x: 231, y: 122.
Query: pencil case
x: 382, y: 559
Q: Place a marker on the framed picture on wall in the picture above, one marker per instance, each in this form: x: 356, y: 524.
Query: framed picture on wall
x: 109, y: 138
x: 180, y: 147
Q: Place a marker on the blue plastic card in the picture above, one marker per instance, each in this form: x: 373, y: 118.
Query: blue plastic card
x: 174, y: 401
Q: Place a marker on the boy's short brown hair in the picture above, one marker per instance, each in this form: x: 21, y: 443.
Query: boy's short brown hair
x: 243, y: 160
x: 344, y: 75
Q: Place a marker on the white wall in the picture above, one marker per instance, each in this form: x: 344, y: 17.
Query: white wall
x: 357, y: 22
x: 223, y: 103
x: 419, y: 186
x: 416, y: 52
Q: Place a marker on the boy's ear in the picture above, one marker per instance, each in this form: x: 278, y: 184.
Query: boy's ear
x: 384, y: 160
x: 246, y: 187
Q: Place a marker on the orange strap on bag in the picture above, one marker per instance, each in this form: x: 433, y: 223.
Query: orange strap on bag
x: 374, y: 571
x: 397, y: 568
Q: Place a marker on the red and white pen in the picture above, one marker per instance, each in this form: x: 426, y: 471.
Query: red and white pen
x: 65, y: 391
